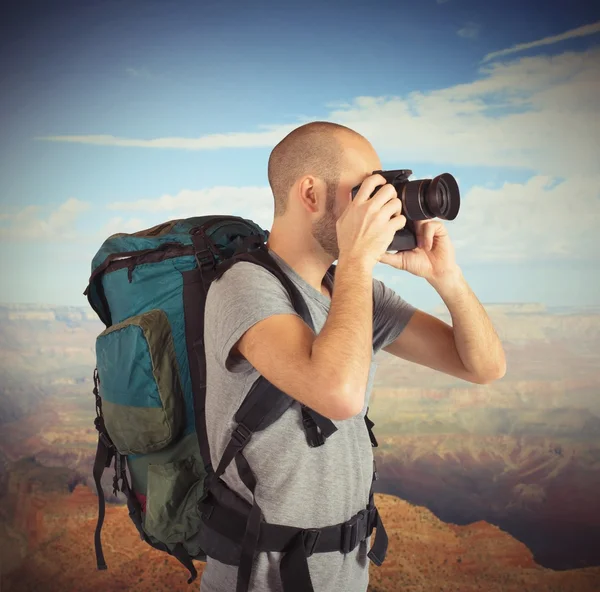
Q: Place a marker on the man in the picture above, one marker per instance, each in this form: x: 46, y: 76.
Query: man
x: 251, y: 329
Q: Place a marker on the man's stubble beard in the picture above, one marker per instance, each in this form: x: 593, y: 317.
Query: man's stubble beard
x: 324, y: 230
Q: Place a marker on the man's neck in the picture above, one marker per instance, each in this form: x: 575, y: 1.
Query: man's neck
x: 300, y: 254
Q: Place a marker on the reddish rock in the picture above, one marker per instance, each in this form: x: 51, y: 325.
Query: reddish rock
x: 424, y: 554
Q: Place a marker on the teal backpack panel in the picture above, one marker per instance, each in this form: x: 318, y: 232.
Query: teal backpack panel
x: 156, y: 286
x: 129, y: 352
x: 143, y: 271
x: 143, y: 385
x: 142, y: 396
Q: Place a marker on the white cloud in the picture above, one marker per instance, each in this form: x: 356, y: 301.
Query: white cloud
x: 267, y: 138
x: 539, y: 219
x: 118, y: 224
x: 540, y: 114
x: 61, y: 224
x: 57, y: 226
x: 583, y: 31
x: 543, y: 218
x: 537, y: 113
x: 469, y: 31
x: 255, y: 203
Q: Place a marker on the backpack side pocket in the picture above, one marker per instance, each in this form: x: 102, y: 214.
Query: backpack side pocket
x: 142, y: 396
x: 174, y: 490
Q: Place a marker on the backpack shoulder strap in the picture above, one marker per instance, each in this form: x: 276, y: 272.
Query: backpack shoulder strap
x: 265, y: 403
x: 317, y: 427
x: 260, y: 256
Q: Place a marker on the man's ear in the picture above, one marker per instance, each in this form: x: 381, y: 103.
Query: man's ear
x: 309, y: 192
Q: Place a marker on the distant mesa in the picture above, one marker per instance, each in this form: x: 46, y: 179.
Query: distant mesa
x: 52, y: 312
x: 45, y: 312
x: 507, y: 308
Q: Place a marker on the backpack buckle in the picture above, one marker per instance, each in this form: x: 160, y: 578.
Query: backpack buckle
x: 241, y: 435
x: 314, y: 436
x: 106, y: 440
x: 354, y: 531
x: 371, y: 520
x: 310, y: 536
x: 205, y: 264
x: 102, y: 435
x: 204, y: 250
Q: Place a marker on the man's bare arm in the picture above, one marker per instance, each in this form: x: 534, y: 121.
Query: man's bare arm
x: 328, y: 372
x: 469, y: 349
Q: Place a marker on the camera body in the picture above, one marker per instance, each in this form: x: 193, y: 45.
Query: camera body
x: 422, y: 199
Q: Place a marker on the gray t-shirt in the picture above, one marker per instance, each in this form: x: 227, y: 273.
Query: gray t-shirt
x: 296, y: 485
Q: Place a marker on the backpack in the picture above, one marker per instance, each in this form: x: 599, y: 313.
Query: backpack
x: 149, y: 289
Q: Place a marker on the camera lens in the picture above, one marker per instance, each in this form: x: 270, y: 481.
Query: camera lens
x: 443, y: 197
x: 431, y: 198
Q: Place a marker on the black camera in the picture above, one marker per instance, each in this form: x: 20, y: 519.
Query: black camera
x: 422, y: 199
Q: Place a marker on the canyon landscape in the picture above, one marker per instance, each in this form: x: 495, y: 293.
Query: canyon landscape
x: 522, y: 453
x: 481, y: 487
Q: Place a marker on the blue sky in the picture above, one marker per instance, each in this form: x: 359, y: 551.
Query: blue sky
x: 116, y: 116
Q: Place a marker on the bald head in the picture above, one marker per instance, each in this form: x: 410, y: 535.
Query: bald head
x: 318, y: 149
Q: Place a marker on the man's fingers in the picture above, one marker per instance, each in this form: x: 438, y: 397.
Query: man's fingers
x: 391, y: 208
x: 368, y: 186
x: 384, y: 196
x: 427, y: 232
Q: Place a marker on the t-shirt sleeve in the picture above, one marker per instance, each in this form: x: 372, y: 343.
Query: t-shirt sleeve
x: 390, y: 315
x: 243, y: 296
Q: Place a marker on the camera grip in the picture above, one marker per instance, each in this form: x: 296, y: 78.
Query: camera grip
x: 405, y: 239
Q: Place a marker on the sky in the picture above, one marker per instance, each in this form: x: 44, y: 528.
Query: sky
x: 117, y: 116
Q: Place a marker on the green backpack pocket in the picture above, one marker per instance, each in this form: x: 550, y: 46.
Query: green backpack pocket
x: 174, y: 490
x: 142, y: 397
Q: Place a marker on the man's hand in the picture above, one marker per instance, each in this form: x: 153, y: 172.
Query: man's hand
x: 368, y: 224
x: 477, y: 354
x: 432, y: 259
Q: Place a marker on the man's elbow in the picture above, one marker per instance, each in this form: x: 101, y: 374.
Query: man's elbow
x: 349, y: 403
x: 490, y: 375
